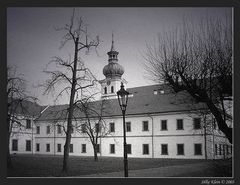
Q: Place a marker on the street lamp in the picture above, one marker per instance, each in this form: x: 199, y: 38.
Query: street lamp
x: 122, y: 100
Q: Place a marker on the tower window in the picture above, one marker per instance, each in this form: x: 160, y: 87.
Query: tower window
x: 105, y: 90
x: 112, y: 89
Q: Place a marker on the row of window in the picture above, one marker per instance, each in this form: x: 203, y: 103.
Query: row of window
x: 221, y: 149
x: 145, y: 148
x: 145, y: 126
x: 105, y: 90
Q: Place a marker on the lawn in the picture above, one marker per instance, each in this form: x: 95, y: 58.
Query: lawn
x: 45, y: 165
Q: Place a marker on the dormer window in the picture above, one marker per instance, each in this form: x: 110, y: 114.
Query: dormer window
x: 105, y: 90
x: 112, y: 89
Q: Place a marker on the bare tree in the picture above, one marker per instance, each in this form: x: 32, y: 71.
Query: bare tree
x: 73, y: 74
x: 17, y: 98
x: 93, y: 124
x: 197, y: 59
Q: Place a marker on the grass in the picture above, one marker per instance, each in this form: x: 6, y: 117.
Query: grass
x: 45, y: 165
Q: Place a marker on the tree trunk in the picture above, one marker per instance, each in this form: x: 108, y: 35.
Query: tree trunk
x: 9, y: 160
x: 220, y: 121
x: 70, y: 112
x: 205, y: 137
x: 95, y: 153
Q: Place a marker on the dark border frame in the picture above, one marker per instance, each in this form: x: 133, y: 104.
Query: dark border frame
x: 108, y: 3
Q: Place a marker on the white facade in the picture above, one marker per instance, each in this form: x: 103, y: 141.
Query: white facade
x: 153, y: 138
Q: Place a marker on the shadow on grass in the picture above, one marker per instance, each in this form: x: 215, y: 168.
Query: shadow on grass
x: 51, y: 166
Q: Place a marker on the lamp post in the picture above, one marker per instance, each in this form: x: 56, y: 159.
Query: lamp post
x: 122, y: 100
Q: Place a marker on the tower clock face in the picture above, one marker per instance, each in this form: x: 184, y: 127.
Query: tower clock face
x: 108, y: 82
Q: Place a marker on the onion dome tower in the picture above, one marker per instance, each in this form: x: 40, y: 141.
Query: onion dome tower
x: 113, y: 72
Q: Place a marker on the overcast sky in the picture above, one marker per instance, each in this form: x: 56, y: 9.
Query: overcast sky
x: 32, y: 39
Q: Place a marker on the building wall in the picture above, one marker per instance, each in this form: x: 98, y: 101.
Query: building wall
x: 154, y: 137
x: 21, y: 134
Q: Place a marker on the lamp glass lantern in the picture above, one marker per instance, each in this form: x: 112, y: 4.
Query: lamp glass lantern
x: 122, y: 97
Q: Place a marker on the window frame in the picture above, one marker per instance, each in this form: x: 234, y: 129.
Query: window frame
x: 59, y: 129
x: 112, y: 127
x: 128, y: 126
x: 183, y: 151
x: 14, y: 144
x: 162, y: 146
x: 37, y: 129
x: 83, y: 148
x: 197, y: 126
x: 195, y: 151
x: 129, y: 148
x: 98, y: 148
x: 164, y: 121
x: 105, y: 90
x: 112, y: 149
x: 59, y: 147
x: 145, y: 151
x: 144, y: 123
x: 177, y: 124
x: 48, y: 130
x: 28, y: 146
x: 71, y: 148
x: 28, y: 124
x: 37, y: 147
x: 48, y: 147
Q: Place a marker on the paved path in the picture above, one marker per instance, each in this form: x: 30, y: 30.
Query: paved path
x: 168, y: 171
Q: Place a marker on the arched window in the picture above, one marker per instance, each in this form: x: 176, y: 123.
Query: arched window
x: 112, y: 89
x: 105, y: 90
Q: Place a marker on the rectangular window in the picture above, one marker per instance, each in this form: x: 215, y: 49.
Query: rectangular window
x: 145, y: 125
x: 28, y: 123
x: 59, y: 148
x: 112, y: 127
x: 180, y: 149
x: 179, y: 124
x: 129, y: 148
x: 216, y: 149
x: 48, y: 129
x: 71, y: 148
x: 163, y: 124
x: 197, y: 123
x: 97, y: 127
x: 145, y: 149
x: 224, y: 150
x: 98, y: 148
x: 59, y: 129
x: 37, y: 147
x: 38, y: 130
x: 128, y: 126
x: 47, y: 147
x: 112, y: 148
x: 83, y: 127
x: 105, y: 90
x: 220, y: 149
x: 83, y: 148
x: 28, y: 145
x: 14, y: 145
x: 112, y: 89
x: 197, y: 149
x: 164, y: 148
x: 72, y: 130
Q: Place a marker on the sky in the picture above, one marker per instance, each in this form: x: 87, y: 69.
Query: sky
x: 32, y: 39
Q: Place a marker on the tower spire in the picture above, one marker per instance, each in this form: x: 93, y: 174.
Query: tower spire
x: 112, y: 47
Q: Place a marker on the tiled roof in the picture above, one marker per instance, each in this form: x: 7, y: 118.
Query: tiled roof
x: 27, y: 108
x: 142, y: 101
